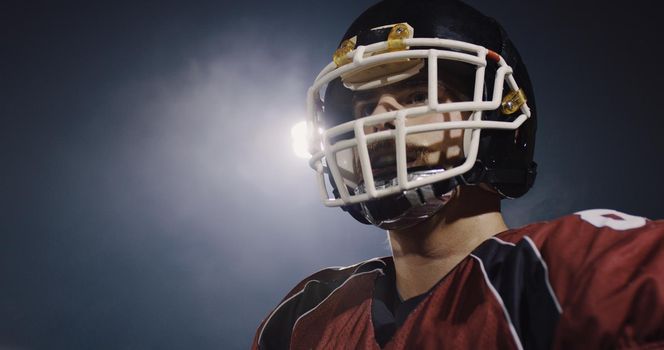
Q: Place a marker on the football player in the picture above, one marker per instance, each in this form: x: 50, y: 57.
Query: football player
x: 422, y: 123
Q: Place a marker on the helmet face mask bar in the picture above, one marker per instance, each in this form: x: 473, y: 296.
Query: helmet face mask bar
x: 326, y: 145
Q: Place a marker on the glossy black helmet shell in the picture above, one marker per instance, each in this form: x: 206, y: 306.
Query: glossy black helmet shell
x: 505, y: 157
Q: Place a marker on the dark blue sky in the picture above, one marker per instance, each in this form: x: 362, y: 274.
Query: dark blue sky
x: 149, y: 196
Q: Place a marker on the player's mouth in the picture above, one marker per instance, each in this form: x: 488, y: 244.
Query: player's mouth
x: 384, y: 160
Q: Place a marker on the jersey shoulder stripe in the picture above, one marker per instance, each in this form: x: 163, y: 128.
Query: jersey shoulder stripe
x: 519, y: 277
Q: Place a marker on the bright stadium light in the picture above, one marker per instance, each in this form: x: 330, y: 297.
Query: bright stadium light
x: 299, y: 136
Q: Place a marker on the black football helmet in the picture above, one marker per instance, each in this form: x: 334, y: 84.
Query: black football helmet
x: 435, y: 44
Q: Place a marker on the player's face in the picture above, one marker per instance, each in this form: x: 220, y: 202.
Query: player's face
x: 439, y: 149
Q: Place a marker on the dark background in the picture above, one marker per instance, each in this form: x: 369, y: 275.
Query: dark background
x: 149, y: 196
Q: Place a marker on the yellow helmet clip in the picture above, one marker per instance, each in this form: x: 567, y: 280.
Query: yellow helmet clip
x: 513, y: 101
x: 340, y: 56
x: 399, y: 32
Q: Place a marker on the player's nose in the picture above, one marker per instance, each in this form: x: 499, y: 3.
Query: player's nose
x: 386, y: 103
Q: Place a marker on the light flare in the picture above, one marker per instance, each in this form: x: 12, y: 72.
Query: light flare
x: 300, y: 140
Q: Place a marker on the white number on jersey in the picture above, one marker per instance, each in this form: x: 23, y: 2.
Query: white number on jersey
x: 611, y: 218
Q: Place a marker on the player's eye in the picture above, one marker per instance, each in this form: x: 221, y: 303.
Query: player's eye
x: 417, y: 98
x: 364, y: 109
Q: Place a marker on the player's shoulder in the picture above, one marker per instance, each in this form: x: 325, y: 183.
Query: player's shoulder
x: 591, y: 226
x: 337, y: 275
x: 592, y: 240
x: 275, y: 330
x: 603, y: 269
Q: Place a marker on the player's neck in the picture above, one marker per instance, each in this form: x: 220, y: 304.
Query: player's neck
x: 427, y: 252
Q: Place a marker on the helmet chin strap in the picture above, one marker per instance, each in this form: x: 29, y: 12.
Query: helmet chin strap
x: 410, y: 207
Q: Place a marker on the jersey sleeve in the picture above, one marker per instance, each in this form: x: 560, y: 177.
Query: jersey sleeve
x: 607, y: 271
x: 275, y: 330
x: 325, y: 274
x: 299, y: 287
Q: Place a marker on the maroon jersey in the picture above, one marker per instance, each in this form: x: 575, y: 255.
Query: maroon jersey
x: 586, y: 281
